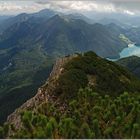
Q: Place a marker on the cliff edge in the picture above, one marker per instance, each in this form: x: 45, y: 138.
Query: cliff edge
x: 44, y: 93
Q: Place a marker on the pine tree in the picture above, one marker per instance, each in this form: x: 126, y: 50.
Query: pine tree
x: 96, y: 128
x: 85, y: 132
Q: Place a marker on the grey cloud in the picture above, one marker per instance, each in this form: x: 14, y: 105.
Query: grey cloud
x: 119, y: 5
x: 127, y: 4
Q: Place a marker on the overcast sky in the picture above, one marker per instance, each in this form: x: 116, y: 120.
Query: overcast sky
x: 130, y: 7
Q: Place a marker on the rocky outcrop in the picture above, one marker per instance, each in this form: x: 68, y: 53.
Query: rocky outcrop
x: 44, y: 94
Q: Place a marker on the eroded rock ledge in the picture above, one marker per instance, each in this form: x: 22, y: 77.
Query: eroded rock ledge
x: 44, y: 94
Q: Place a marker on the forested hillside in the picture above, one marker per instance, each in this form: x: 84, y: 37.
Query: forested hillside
x: 132, y: 64
x: 86, y: 96
x: 88, y: 116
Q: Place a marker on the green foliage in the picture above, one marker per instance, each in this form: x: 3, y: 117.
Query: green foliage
x: 101, y: 72
x: 86, y: 108
x: 86, y: 132
x: 132, y: 63
x: 88, y: 115
x: 26, y: 120
x: 21, y: 83
x: 71, y: 81
x: 4, y: 130
x: 1, y: 132
x: 32, y: 65
x: 68, y: 128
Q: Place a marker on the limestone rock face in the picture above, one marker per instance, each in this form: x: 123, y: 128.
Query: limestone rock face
x: 44, y: 94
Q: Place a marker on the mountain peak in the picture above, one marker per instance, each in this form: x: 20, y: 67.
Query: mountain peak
x: 45, y: 13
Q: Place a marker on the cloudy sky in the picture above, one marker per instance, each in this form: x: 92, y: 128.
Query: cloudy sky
x: 129, y: 7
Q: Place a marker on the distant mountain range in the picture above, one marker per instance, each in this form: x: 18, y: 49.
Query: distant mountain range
x: 46, y: 13
x: 2, y: 18
x: 124, y: 20
x: 95, y: 37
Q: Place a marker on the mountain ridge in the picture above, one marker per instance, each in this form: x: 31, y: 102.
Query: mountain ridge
x: 42, y: 95
x: 55, y: 89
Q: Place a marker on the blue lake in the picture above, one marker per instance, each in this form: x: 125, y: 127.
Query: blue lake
x: 132, y: 50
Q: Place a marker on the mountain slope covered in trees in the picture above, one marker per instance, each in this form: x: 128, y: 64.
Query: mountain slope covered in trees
x: 132, y: 64
x: 78, y: 101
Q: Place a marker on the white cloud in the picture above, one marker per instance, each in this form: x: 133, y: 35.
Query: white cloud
x: 4, y: 6
x: 80, y: 6
x: 15, y: 7
x: 129, y: 12
x: 88, y: 6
